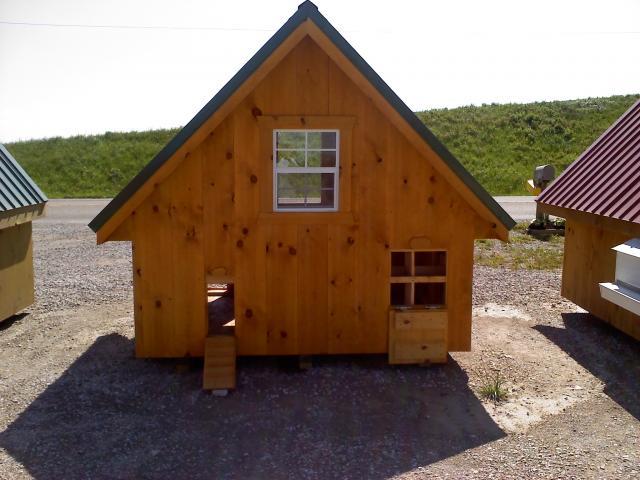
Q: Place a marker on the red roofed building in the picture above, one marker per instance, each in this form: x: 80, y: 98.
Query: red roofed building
x: 599, y: 196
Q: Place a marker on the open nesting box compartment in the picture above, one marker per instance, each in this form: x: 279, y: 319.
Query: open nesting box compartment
x: 418, y: 278
x: 418, y: 318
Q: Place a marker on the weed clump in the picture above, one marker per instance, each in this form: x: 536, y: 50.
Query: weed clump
x: 493, y: 389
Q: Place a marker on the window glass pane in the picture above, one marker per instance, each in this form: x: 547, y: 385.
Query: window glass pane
x: 293, y: 158
x: 321, y: 159
x: 321, y: 140
x: 306, y: 190
x: 291, y: 189
x: 290, y: 140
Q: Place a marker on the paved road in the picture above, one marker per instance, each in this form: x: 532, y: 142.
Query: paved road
x: 77, y: 210
x: 83, y: 210
x: 520, y: 208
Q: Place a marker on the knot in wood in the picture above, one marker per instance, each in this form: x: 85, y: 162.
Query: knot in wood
x: 253, y: 178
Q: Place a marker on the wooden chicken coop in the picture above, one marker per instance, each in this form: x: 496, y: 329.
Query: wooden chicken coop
x: 21, y: 201
x: 339, y: 220
x: 599, y: 196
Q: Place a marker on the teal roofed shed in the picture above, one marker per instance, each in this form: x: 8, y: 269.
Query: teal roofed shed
x: 21, y: 201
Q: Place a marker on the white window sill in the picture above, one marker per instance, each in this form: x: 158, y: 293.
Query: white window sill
x: 621, y: 296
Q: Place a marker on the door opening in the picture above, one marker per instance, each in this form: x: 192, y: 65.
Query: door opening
x: 220, y: 306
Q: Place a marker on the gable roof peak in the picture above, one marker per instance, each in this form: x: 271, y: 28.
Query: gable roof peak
x: 307, y: 5
x: 306, y: 11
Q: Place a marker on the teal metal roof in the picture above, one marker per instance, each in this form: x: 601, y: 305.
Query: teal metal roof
x: 17, y: 190
x: 306, y: 11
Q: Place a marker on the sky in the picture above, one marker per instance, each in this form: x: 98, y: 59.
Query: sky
x: 91, y: 66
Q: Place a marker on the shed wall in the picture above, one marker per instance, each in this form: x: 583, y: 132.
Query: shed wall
x: 168, y: 273
x: 16, y: 269
x: 588, y: 261
x: 304, y: 284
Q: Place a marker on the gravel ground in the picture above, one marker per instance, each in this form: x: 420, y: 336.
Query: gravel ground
x: 74, y: 403
x: 71, y: 270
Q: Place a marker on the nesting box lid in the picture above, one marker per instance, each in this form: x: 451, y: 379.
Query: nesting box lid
x: 631, y: 247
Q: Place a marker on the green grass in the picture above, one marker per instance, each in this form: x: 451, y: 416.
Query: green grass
x: 499, y: 145
x: 493, y: 389
x: 88, y: 166
x: 522, y: 252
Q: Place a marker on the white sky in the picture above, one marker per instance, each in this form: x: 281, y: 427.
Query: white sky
x: 72, y: 80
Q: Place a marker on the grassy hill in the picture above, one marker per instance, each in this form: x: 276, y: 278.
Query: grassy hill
x: 499, y: 144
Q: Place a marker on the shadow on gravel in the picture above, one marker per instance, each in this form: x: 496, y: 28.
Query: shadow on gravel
x: 7, y: 323
x: 607, y: 353
x: 110, y: 415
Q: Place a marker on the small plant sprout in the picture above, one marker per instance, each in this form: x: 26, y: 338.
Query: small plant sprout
x: 493, y: 389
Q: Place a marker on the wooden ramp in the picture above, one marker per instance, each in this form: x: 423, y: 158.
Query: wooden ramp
x: 219, y: 362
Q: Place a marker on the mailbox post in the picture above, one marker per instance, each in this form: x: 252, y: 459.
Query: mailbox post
x: 543, y: 175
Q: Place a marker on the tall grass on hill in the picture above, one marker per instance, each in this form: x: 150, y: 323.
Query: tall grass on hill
x: 499, y: 144
x: 88, y: 166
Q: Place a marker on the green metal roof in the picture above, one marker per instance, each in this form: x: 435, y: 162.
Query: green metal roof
x: 17, y: 190
x: 306, y: 10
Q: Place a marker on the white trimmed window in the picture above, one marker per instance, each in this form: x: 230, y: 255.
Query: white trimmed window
x: 305, y: 170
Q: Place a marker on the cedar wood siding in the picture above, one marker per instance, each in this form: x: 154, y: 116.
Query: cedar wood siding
x: 590, y: 260
x: 312, y: 285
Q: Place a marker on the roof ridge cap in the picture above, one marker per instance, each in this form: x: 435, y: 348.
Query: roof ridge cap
x: 308, y: 5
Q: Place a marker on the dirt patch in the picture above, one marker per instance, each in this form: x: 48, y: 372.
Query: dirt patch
x: 540, y: 379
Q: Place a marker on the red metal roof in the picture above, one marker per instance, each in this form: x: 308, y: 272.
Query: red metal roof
x: 605, y: 178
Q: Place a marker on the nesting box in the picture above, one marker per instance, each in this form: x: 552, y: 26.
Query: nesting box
x: 625, y: 291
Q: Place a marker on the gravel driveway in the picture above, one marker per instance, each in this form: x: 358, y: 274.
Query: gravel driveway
x: 74, y: 403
